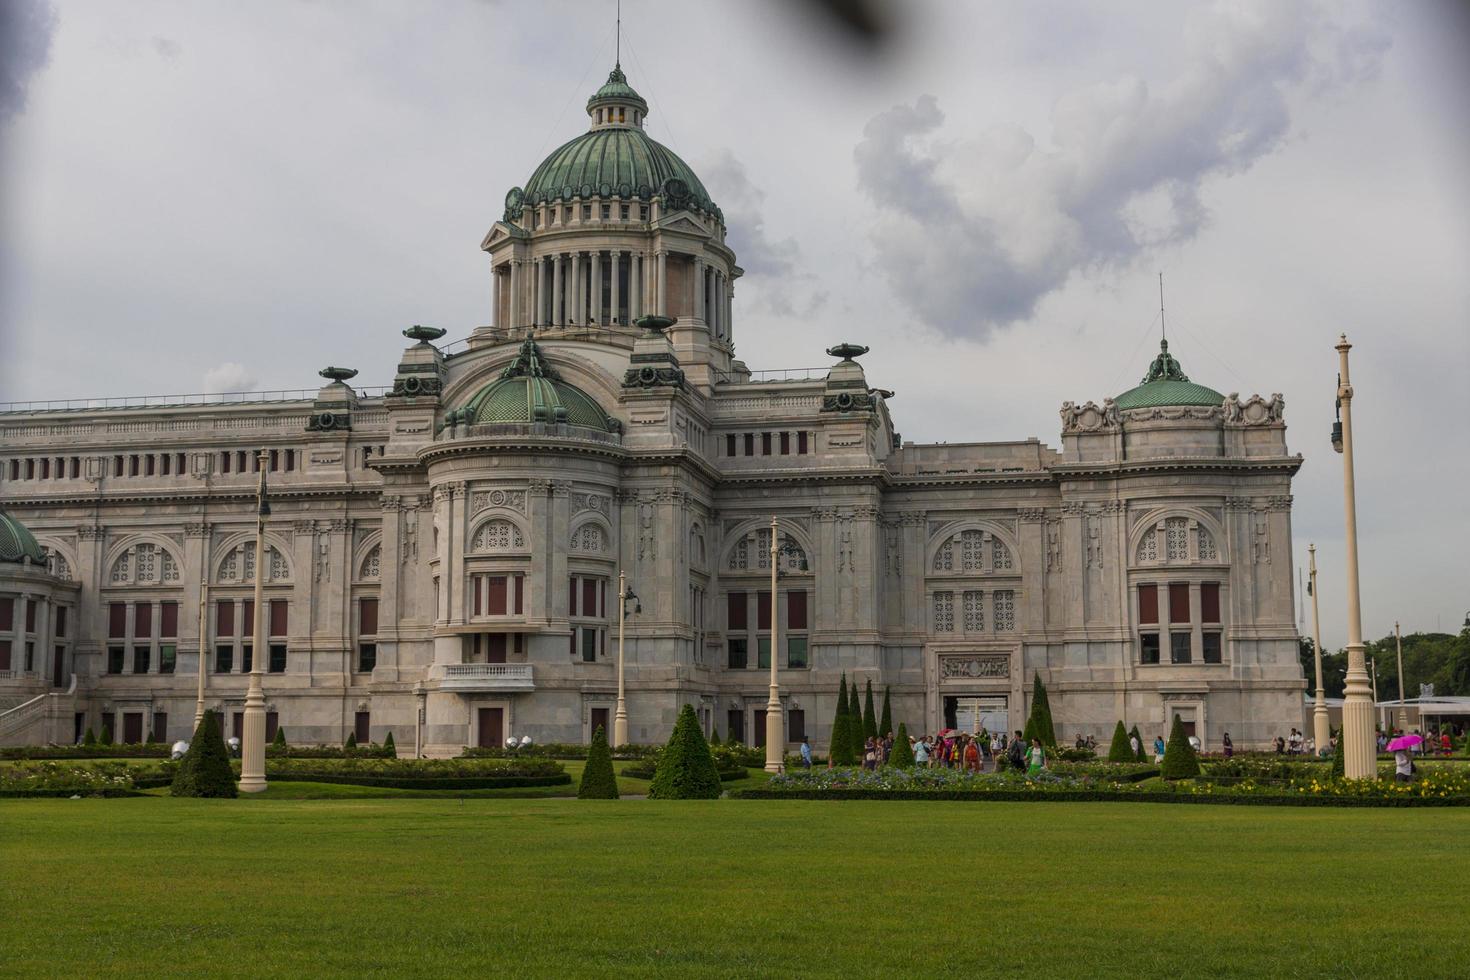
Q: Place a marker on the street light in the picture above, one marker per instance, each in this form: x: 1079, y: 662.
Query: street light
x: 620, y: 717
x: 252, y: 747
x: 775, y: 727
x: 1321, y: 728
x: 1360, y: 759
x: 1398, y: 642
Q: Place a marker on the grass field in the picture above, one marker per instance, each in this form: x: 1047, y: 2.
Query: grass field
x: 555, y: 887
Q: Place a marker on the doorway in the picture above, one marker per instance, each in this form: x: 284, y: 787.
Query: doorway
x: 132, y: 727
x: 735, y: 724
x: 58, y: 667
x: 600, y: 720
x: 495, y: 648
x: 491, y: 728
x: 972, y: 712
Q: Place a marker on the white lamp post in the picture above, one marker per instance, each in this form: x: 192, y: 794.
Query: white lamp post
x: 620, y: 716
x: 1398, y: 642
x: 203, y: 645
x: 252, y: 747
x: 1321, y: 728
x: 775, y: 743
x: 1360, y: 757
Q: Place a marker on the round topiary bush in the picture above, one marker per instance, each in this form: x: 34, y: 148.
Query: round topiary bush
x: 205, y: 769
x: 686, y: 770
x: 1180, y: 761
x: 599, y: 782
x: 1121, y: 750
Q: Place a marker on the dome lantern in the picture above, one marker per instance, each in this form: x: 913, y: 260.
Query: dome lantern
x: 1166, y: 385
x: 616, y: 104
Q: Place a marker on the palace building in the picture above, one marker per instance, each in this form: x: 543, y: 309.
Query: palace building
x: 443, y: 556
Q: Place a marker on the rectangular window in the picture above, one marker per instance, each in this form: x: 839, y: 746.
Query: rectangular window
x: 290, y: 460
x: 76, y: 467
x: 795, y: 725
x: 168, y: 614
x: 607, y: 212
x: 247, y: 614
x: 159, y: 732
x: 224, y: 658
x: 1148, y: 646
x: 735, y: 617
x: 272, y: 725
x: 736, y: 649
x: 796, y: 610
x: 1148, y: 604
x: 224, y: 462
x: 247, y: 661
x: 4, y: 654
x: 115, y: 657
x: 796, y: 652
x: 1209, y: 602
x: 367, y: 617
x: 801, y: 449
x: 178, y: 465
x: 167, y: 658
x: 31, y: 616
x: 148, y: 465
x: 572, y: 596
x: 589, y: 645
x: 785, y: 444
x: 729, y: 445
x: 589, y: 597
x: 30, y: 655
x: 750, y: 443
x: 367, y: 657
x: 142, y: 620
x: 7, y: 613
x: 46, y: 468
x: 763, y: 653
x: 117, y: 620
x: 277, y: 662
x: 362, y: 727
x: 167, y: 464
x: 140, y: 659
x: 1178, y: 602
x: 117, y: 466
x: 765, y: 444
x: 763, y: 610
x: 1179, y: 652
x: 60, y: 621
x: 133, y: 465
x: 240, y: 461
x: 278, y: 613
x: 224, y: 619
x: 495, y: 597
x: 623, y: 212
x: 1212, y: 647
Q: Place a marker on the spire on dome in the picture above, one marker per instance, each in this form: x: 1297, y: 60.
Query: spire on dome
x: 530, y: 363
x: 617, y: 103
x: 1164, y: 367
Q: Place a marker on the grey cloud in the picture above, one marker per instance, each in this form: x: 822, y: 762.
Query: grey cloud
x: 166, y: 48
x: 26, y: 27
x: 974, y: 233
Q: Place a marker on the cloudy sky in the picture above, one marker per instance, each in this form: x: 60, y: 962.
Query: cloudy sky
x: 211, y: 196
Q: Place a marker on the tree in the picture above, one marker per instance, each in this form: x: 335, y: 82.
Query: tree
x: 599, y: 782
x: 279, y: 742
x: 1180, y: 762
x: 1339, y: 763
x: 351, y: 742
x: 1039, y: 724
x: 902, y: 756
x: 106, y: 738
x: 1121, y: 750
x: 205, y: 769
x: 885, y: 720
x: 839, y: 747
x: 857, y: 738
x: 89, y: 738
x: 1134, y: 736
x: 870, y: 717
x: 389, y: 749
x: 686, y: 769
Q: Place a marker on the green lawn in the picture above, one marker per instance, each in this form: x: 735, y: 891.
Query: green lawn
x: 416, y: 887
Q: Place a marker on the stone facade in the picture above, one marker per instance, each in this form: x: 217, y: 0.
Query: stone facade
x: 454, y: 579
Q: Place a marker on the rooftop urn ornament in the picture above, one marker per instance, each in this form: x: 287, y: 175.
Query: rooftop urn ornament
x: 847, y: 351
x: 338, y: 375
x: 423, y: 334
x: 654, y: 323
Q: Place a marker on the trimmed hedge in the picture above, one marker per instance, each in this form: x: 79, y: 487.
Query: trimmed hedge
x: 1180, y: 761
x: 648, y: 772
x: 135, y: 750
x: 902, y: 756
x: 1094, y: 796
x: 598, y: 780
x: 1120, y: 750
x: 205, y: 770
x: 686, y: 770
x: 399, y: 782
x: 840, y: 748
x: 66, y: 794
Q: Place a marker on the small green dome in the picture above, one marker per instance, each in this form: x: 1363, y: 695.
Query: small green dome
x: 530, y: 390
x: 616, y: 89
x: 1166, y: 384
x: 17, y: 543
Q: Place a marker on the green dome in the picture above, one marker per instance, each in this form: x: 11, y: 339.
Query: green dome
x: 17, y: 543
x: 616, y: 89
x: 1166, y: 384
x: 530, y: 390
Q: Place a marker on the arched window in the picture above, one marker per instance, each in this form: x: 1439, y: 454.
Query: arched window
x: 1176, y: 540
x: 753, y: 553
x: 497, y: 535
x: 143, y: 564
x: 588, y: 538
x: 372, y: 565
x: 237, y: 567
x: 974, y: 551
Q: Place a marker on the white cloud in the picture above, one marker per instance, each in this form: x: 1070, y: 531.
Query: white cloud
x: 229, y: 376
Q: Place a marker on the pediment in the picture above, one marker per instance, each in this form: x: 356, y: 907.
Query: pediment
x: 500, y: 233
x: 683, y: 222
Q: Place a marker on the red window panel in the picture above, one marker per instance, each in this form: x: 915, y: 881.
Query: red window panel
x: 1209, y: 602
x: 796, y: 610
x: 495, y: 595
x: 801, y: 449
x: 60, y: 621
x: 765, y: 444
x: 572, y: 594
x: 117, y: 619
x: 142, y: 619
x: 750, y: 443
x: 4, y: 654
x: 1148, y: 603
x: 224, y: 462
x: 1178, y: 603
x: 589, y: 597
x: 735, y: 612
x: 168, y: 619
x: 762, y: 610
x: 785, y: 444
x: 280, y: 610
x: 477, y: 589
x: 602, y: 598
x: 31, y: 615
x: 367, y: 617
x: 249, y: 616
x: 520, y: 596
x: 7, y: 613
x: 729, y: 451
x: 224, y: 619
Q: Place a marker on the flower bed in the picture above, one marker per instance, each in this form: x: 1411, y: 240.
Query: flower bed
x: 50, y: 778
x: 558, y: 750
x: 135, y: 750
x: 421, y: 773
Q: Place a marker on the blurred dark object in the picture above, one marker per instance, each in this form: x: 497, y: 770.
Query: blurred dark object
x: 864, y: 22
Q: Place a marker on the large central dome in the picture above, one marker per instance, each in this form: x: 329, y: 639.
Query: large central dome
x: 614, y: 159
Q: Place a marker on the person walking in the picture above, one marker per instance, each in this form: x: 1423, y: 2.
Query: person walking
x: 1158, y: 749
x: 1035, y: 758
x: 806, y: 752
x: 921, y: 751
x: 1403, y: 766
x: 1016, y: 753
x: 1229, y: 746
x: 1133, y: 745
x: 870, y: 754
x: 972, y: 756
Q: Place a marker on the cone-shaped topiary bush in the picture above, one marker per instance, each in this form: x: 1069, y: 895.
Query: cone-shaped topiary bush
x: 599, y: 782
x: 885, y: 719
x: 279, y: 742
x: 686, y: 770
x: 1339, y: 762
x: 1180, y: 762
x: 1121, y: 750
x: 840, y: 742
x: 856, y: 736
x: 389, y: 747
x: 902, y: 756
x: 1134, y: 736
x: 351, y: 742
x: 1039, y: 724
x: 106, y: 738
x: 89, y: 738
x: 870, y: 717
x: 205, y: 769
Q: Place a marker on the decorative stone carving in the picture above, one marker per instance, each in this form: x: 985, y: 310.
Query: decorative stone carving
x: 91, y: 532
x: 1278, y: 503
x: 596, y: 502
x: 497, y: 535
x: 1094, y: 541
x: 1031, y: 515
x: 1053, y: 535
x: 1073, y: 508
x: 416, y: 384
x: 197, y: 530
x: 329, y: 422
x: 1261, y: 546
x: 303, y: 527
x: 974, y: 666
x: 509, y: 499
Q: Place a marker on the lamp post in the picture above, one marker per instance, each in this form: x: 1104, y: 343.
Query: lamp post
x: 1398, y: 642
x: 620, y: 717
x: 1373, y: 665
x: 1360, y: 760
x: 203, y: 644
x: 775, y: 744
x: 252, y: 747
x: 1321, y: 729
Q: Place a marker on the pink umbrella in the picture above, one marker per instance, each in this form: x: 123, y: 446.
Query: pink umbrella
x: 1404, y: 742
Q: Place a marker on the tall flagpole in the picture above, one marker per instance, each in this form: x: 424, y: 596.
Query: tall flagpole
x: 1321, y: 728
x: 252, y: 748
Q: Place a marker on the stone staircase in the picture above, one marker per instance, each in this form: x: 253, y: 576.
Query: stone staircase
x: 42, y: 719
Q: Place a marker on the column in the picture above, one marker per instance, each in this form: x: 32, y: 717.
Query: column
x: 661, y: 298
x: 727, y: 294
x: 495, y: 303
x: 574, y: 315
x: 558, y: 294
x: 635, y: 285
x: 535, y: 292
x: 699, y: 305
x: 712, y: 277
x: 595, y: 316
x: 617, y: 269
x: 515, y: 293
x: 155, y: 650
